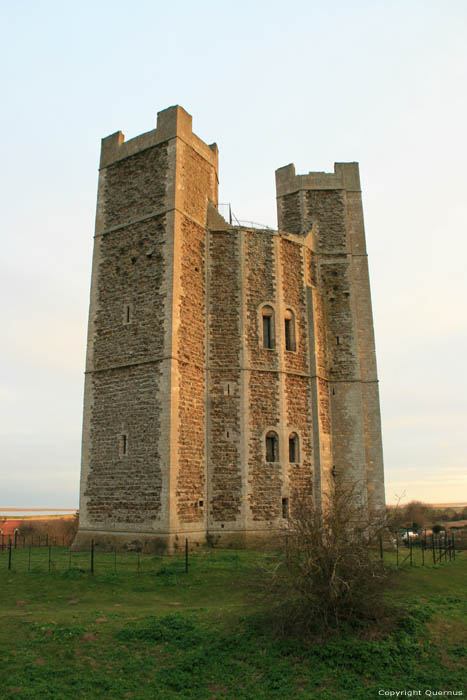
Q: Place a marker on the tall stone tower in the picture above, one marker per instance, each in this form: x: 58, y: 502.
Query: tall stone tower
x: 228, y: 368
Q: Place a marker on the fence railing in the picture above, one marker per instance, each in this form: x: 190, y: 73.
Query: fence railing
x: 428, y: 549
x: 19, y: 541
x: 46, y: 559
x: 46, y: 554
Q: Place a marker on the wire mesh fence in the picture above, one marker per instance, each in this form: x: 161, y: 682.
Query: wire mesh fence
x: 56, y: 558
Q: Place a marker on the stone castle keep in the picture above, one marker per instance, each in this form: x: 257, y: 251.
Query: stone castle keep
x: 228, y: 368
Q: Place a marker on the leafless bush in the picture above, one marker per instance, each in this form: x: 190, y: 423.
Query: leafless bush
x: 328, y: 576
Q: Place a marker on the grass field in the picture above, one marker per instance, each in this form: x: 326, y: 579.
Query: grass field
x: 151, y: 631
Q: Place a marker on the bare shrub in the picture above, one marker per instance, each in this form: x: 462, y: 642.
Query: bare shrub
x: 328, y: 576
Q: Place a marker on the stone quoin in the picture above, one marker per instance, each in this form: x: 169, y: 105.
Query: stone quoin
x: 229, y: 369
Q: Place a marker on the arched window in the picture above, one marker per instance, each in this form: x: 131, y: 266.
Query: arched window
x: 267, y: 327
x: 294, y: 448
x: 289, y: 320
x: 272, y: 447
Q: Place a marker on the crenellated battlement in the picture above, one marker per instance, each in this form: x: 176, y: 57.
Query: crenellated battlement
x: 345, y: 177
x: 173, y: 122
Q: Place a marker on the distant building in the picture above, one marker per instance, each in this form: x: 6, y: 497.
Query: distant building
x: 8, y: 527
x: 229, y: 369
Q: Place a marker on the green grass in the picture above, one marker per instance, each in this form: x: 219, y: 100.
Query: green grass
x: 160, y: 633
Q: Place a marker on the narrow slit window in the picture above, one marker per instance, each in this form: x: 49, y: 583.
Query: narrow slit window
x: 285, y: 507
x: 124, y: 444
x: 294, y: 451
x: 127, y: 314
x: 272, y: 447
x: 289, y: 328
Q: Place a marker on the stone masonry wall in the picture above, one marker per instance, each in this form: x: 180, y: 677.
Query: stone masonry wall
x: 191, y: 479
x: 291, y: 218
x: 195, y: 185
x: 327, y: 210
x: 264, y: 478
x: 260, y: 281
x: 125, y: 489
x: 299, y: 418
x: 132, y: 273
x: 297, y: 383
x: 341, y: 341
x: 224, y: 377
x: 293, y: 297
x: 136, y: 186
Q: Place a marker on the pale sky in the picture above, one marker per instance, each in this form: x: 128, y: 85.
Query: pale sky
x: 382, y: 83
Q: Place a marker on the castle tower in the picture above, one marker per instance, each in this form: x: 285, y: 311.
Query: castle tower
x: 326, y: 208
x: 229, y: 369
x: 144, y: 449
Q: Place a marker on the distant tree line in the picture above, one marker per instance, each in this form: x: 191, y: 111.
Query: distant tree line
x: 417, y: 515
x: 59, y: 529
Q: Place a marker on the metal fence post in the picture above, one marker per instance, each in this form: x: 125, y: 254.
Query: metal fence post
x: 9, y: 555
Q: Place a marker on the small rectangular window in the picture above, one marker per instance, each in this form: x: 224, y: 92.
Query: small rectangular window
x: 285, y: 507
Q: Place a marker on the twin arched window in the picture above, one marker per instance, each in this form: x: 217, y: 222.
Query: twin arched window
x: 268, y: 329
x: 272, y: 447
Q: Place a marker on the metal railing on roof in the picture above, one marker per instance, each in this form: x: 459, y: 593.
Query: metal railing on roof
x: 233, y: 221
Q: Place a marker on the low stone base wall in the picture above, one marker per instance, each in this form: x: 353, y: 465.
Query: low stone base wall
x: 157, y: 543
x: 160, y: 543
x: 246, y: 539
